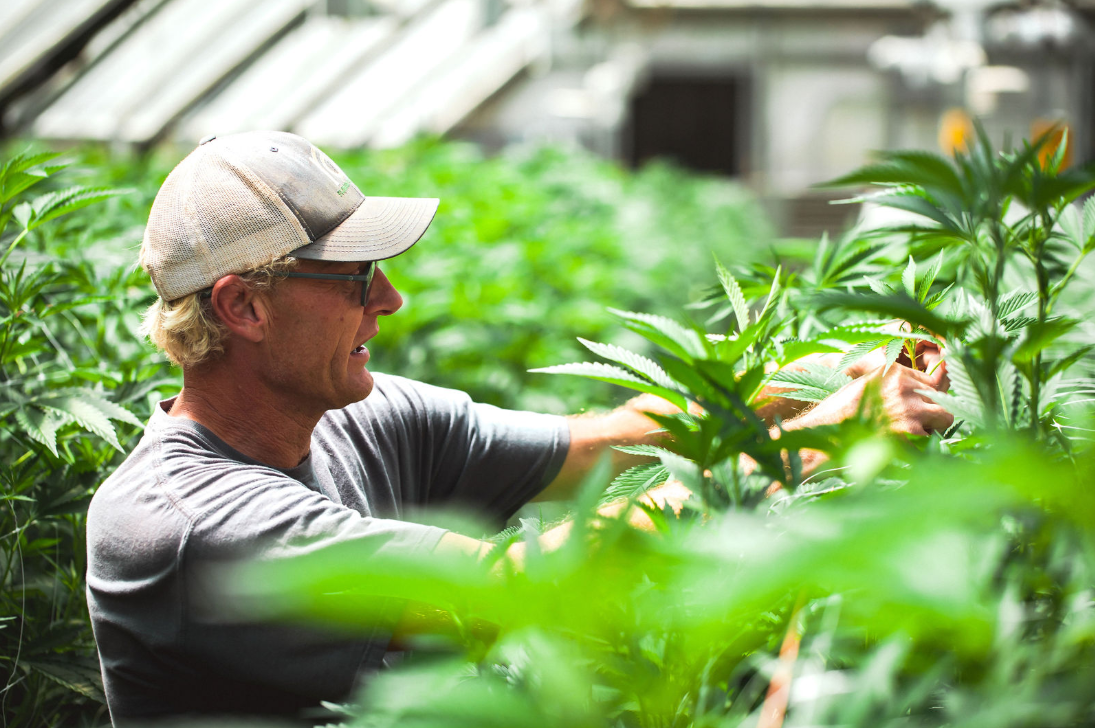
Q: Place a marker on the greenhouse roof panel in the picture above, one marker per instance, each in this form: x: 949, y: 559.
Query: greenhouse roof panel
x: 477, y: 72
x: 292, y: 77
x: 163, y: 67
x: 30, y: 29
x: 351, y: 115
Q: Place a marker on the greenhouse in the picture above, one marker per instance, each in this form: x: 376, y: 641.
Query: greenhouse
x: 620, y: 363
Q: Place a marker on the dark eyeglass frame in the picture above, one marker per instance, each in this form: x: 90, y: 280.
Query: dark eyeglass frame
x: 365, y: 278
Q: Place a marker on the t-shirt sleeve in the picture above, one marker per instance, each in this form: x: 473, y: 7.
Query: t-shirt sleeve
x: 476, y: 456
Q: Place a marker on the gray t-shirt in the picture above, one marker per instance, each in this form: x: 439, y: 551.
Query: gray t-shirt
x: 184, y: 498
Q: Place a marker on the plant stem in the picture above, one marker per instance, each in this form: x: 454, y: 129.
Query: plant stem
x: 18, y: 239
x: 1064, y: 281
x: 1038, y: 250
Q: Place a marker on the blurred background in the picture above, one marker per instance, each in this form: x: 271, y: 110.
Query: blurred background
x: 777, y: 94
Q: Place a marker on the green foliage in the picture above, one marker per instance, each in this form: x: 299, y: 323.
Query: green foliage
x: 525, y: 251
x: 75, y: 384
x: 942, y: 580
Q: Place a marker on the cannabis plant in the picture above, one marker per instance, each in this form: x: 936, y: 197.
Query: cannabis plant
x: 63, y: 388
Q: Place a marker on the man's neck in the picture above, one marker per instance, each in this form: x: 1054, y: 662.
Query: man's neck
x: 247, y: 417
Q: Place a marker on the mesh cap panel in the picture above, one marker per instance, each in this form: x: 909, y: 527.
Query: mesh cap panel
x: 212, y: 218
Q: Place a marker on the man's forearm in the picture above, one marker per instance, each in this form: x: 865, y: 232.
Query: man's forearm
x: 591, y: 436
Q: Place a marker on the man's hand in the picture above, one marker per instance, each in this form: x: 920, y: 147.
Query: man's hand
x: 905, y: 409
x: 773, y: 405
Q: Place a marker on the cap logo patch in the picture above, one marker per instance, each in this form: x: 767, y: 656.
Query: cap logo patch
x: 330, y: 170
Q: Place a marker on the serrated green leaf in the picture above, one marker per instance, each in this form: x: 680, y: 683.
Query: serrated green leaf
x: 859, y: 351
x: 1059, y: 154
x: 635, y: 481
x: 734, y: 294
x: 962, y: 386
x: 908, y: 168
x: 929, y: 278
x: 839, y: 270
x: 652, y: 451
x: 1072, y: 226
x: 908, y: 278
x: 893, y: 350
x: 902, y: 307
x: 636, y: 362
x: 83, y: 679
x: 85, y: 412
x: 812, y: 375
x: 24, y: 161
x: 913, y: 202
x: 615, y: 375
x: 794, y: 350
x: 1017, y: 323
x: 806, y: 394
x: 667, y: 333
x: 879, y: 287
x: 105, y: 406
x: 1017, y: 300
x: 1089, y: 223
x: 23, y: 214
x: 773, y: 294
x: 683, y: 470
x: 937, y: 298
x: 55, y: 204
x: 19, y: 183
x: 1039, y: 335
x: 40, y: 425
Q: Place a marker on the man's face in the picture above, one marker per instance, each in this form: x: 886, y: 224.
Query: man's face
x: 315, y: 343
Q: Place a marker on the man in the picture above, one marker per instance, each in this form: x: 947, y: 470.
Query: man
x: 265, y: 256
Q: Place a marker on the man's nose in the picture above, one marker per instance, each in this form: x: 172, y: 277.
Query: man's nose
x: 384, y: 300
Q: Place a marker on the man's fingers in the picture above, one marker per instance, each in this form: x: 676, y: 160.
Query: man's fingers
x: 934, y: 417
x: 938, y: 376
x: 935, y: 380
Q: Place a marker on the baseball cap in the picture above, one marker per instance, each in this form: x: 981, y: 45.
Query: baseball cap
x: 241, y: 200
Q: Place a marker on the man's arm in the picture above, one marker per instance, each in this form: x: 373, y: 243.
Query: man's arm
x: 592, y: 435
x: 905, y: 410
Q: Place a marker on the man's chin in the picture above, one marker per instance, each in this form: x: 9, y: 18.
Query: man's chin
x: 363, y: 387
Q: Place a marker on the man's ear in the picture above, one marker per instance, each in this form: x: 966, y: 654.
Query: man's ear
x: 239, y: 309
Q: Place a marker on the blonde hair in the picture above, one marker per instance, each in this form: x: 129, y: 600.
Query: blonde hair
x: 188, y: 330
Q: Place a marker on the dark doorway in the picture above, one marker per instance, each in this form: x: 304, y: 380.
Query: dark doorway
x: 698, y: 121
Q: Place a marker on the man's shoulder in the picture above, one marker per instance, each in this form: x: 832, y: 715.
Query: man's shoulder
x: 176, y: 472
x: 183, y: 488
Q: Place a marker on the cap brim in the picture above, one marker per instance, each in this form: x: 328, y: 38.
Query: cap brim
x: 380, y: 228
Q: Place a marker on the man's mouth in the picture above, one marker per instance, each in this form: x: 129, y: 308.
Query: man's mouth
x: 360, y: 349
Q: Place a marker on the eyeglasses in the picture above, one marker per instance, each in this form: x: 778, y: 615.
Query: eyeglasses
x: 366, y: 279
